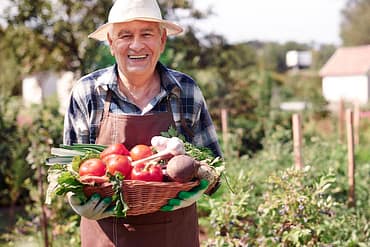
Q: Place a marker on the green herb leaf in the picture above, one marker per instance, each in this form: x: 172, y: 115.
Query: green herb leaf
x: 199, y: 153
x: 121, y: 207
x: 61, y: 181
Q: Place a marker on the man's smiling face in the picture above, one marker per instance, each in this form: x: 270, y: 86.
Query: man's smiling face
x: 137, y: 46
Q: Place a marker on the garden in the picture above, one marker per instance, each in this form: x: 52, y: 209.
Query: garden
x: 264, y: 199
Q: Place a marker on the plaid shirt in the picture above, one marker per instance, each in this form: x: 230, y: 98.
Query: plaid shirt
x: 88, y: 96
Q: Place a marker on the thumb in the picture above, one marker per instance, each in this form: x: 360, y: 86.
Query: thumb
x: 73, y: 199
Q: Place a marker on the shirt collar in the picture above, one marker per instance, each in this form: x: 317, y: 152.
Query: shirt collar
x: 108, y: 78
x: 168, y: 80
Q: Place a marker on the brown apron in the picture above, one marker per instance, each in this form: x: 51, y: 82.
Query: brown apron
x: 162, y: 229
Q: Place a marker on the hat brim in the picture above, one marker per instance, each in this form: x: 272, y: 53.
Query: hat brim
x: 101, y: 32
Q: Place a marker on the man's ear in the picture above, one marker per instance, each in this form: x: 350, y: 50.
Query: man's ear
x: 110, y: 43
x: 163, y: 39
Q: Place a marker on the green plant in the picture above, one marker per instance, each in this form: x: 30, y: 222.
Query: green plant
x: 294, y: 209
x: 232, y: 215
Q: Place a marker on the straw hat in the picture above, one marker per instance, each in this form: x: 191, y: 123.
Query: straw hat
x: 131, y: 10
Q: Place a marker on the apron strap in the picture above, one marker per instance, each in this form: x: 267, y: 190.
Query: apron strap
x: 189, y: 131
x: 107, y: 103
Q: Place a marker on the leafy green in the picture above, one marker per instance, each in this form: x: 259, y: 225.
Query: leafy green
x: 94, y: 148
x: 62, y: 180
x: 199, y: 153
x: 68, y: 182
x: 121, y: 207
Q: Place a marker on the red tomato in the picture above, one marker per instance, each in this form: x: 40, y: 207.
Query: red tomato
x: 117, y: 148
x: 118, y: 163
x: 92, y: 167
x: 140, y: 151
x: 147, y: 172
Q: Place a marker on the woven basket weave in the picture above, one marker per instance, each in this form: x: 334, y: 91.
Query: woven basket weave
x: 143, y: 197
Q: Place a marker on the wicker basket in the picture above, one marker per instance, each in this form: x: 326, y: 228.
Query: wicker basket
x: 143, y: 197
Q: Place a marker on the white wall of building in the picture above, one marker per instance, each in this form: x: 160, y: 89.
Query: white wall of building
x: 31, y: 91
x: 298, y: 58
x: 37, y: 87
x: 64, y: 86
x: 349, y: 88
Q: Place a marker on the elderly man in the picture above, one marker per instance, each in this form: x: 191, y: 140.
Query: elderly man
x: 129, y: 103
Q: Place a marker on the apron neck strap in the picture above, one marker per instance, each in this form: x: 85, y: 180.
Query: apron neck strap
x: 189, y: 132
x: 107, y: 103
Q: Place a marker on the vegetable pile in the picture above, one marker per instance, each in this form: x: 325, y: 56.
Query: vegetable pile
x: 168, y: 159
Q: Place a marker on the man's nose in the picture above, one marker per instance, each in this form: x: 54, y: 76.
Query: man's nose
x: 136, y: 44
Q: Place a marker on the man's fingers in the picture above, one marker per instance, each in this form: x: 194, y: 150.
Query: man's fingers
x: 174, y: 202
x: 186, y: 198
x: 107, y: 213
x: 93, y: 201
x: 190, y: 196
x: 73, y: 199
x: 83, y: 209
x: 167, y: 208
x: 102, y: 205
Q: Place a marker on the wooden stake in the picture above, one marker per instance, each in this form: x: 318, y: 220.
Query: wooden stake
x: 224, y: 126
x: 43, y: 219
x: 356, y: 122
x: 297, y: 141
x: 351, y: 160
x: 341, y: 120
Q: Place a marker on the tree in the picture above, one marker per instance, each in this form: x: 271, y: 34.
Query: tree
x: 55, y: 32
x: 322, y: 55
x: 355, y: 26
x: 183, y: 53
x: 44, y: 35
x: 52, y: 35
x: 273, y: 54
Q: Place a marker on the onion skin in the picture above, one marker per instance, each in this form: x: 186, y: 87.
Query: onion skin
x: 182, y: 168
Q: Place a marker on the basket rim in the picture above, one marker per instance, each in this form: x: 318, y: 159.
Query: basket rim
x: 141, y: 182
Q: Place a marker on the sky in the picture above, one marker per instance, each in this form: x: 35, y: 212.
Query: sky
x: 305, y: 21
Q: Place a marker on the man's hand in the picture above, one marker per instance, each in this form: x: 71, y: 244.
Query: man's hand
x: 95, y: 208
x: 186, y: 198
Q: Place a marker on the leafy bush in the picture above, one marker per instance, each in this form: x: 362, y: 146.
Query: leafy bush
x: 296, y: 209
x: 276, y: 205
x: 24, y: 172
x: 13, y: 151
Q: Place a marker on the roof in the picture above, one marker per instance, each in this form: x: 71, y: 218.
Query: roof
x: 348, y: 61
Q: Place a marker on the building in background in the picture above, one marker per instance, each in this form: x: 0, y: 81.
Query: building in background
x: 346, y: 75
x: 298, y: 59
x: 39, y: 86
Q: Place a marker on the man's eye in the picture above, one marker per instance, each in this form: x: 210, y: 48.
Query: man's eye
x: 124, y: 36
x: 147, y: 34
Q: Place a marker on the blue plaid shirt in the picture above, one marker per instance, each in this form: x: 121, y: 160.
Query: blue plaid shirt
x: 88, y: 96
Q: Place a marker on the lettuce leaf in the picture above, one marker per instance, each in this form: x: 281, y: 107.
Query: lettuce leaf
x: 62, y: 180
